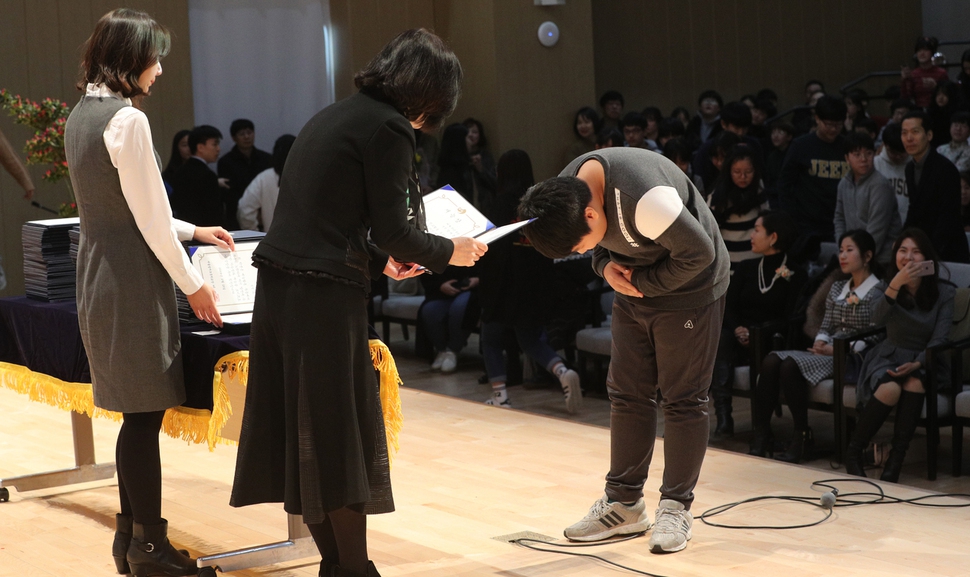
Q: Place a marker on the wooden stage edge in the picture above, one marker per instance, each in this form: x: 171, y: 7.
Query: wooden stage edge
x: 467, y: 473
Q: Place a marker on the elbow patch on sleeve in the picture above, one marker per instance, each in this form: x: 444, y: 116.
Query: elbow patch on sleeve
x: 657, y: 210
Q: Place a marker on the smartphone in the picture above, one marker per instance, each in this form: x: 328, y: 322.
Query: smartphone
x: 925, y: 268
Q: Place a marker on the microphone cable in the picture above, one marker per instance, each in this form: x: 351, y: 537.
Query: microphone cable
x: 525, y: 542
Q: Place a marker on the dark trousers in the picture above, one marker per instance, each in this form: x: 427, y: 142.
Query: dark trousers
x: 672, y: 351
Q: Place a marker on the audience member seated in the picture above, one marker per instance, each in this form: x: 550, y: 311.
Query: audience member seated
x: 809, y: 182
x: 867, y: 126
x: 258, y: 203
x: 963, y: 79
x: 761, y: 290
x: 866, y: 199
x: 946, y: 102
x: 681, y: 114
x: 679, y: 151
x: 241, y: 164
x: 891, y: 163
x: 608, y: 138
x: 917, y: 311
x: 760, y: 113
x: 180, y: 154
x: 483, y: 164
x: 957, y: 150
x: 449, y: 313
x: 965, y: 199
x: 585, y: 126
x: 651, y: 133
x: 848, y: 308
x: 707, y: 123
x: 855, y: 109
x: 515, y: 283
x: 454, y: 163
x: 919, y: 83
x: 737, y: 200
x: 782, y: 134
x: 769, y: 95
x: 612, y: 104
x: 197, y: 196
x: 736, y: 119
x: 802, y: 119
x: 426, y: 151
x: 898, y: 108
x: 934, y: 191
x: 669, y: 129
x: 634, y: 129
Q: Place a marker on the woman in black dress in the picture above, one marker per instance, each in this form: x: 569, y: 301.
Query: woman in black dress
x: 349, y: 209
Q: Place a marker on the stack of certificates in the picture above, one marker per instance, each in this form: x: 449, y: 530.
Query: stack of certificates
x: 49, y: 272
x: 75, y: 234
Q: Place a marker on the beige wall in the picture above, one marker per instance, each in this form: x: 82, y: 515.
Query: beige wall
x: 40, y: 44
x: 665, y: 52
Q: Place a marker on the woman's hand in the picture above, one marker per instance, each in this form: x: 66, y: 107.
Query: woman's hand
x: 203, y: 303
x: 467, y: 251
x: 822, y: 348
x: 905, y: 369
x: 402, y: 270
x: 214, y: 235
x: 905, y: 276
x: 450, y: 288
x: 472, y: 283
x: 620, y: 278
x: 477, y: 162
x: 743, y: 335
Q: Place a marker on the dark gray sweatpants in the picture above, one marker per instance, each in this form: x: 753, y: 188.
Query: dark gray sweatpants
x: 675, y: 351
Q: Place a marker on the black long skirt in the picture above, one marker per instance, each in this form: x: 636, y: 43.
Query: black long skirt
x: 313, y: 432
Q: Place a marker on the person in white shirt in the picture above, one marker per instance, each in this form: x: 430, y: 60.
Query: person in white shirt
x: 891, y: 163
x: 258, y: 202
x: 128, y: 256
x: 957, y: 150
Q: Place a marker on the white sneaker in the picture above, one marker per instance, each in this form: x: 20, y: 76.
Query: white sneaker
x: 671, y: 532
x: 505, y: 403
x: 449, y: 362
x: 571, y: 390
x: 606, y: 519
x: 440, y: 358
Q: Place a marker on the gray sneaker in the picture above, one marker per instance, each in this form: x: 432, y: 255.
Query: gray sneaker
x: 671, y: 532
x: 606, y: 519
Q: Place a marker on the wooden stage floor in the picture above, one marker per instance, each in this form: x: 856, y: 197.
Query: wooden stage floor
x: 467, y: 473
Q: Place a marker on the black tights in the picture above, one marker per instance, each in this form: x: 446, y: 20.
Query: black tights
x: 342, y: 539
x: 778, y: 374
x: 140, y: 467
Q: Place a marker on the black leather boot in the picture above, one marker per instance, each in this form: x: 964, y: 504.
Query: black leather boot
x: 151, y: 554
x: 119, y: 549
x: 801, y: 447
x: 907, y: 414
x: 870, y: 420
x: 725, y: 424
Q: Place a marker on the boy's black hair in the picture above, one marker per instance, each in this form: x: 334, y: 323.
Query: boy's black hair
x: 724, y: 142
x: 900, y: 103
x: 611, y: 135
x: 892, y: 137
x: 960, y: 117
x: 819, y: 82
x: 678, y: 149
x: 671, y: 127
x: 766, y: 106
x: 736, y: 114
x: 201, y: 134
x: 611, y: 95
x: 652, y: 112
x: 858, y: 141
x: 787, y: 127
x: 634, y: 119
x: 710, y: 94
x: 831, y: 109
x: 240, y: 124
x: 926, y: 42
x: 768, y: 94
x: 559, y: 207
x: 868, y: 124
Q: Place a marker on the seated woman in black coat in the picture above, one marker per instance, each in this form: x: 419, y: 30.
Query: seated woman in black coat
x: 761, y: 290
x: 917, y: 310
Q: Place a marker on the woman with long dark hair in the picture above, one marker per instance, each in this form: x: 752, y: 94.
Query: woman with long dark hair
x: 127, y: 259
x: 180, y: 153
x: 737, y: 200
x: 586, y: 124
x: 917, y: 310
x: 312, y: 433
x: 454, y: 162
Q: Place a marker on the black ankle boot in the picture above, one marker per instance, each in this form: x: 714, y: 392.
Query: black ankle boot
x: 871, y: 418
x: 763, y: 443
x: 907, y: 414
x: 801, y: 447
x: 119, y: 549
x: 725, y: 425
x: 151, y: 554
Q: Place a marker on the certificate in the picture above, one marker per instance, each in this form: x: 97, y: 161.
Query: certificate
x: 448, y: 214
x: 231, y: 274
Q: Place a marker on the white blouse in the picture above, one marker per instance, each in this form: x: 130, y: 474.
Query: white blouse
x: 128, y: 138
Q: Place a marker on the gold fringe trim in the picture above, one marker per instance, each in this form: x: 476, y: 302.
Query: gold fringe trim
x: 390, y: 395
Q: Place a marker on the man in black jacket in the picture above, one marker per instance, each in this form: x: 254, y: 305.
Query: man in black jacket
x: 241, y: 165
x: 197, y: 196
x: 934, y: 190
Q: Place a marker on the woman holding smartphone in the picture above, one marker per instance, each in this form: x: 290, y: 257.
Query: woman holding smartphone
x: 917, y: 310
x: 127, y: 259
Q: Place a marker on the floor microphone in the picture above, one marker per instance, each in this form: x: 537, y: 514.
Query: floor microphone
x: 829, y: 498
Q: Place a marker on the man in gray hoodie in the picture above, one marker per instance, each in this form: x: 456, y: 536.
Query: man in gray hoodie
x: 866, y: 199
x: 657, y: 244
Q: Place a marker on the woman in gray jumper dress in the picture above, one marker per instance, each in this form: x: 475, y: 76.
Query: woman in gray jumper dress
x: 127, y: 259
x: 918, y: 312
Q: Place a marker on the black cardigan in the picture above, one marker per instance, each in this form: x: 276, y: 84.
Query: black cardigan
x: 934, y: 206
x: 350, y: 172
